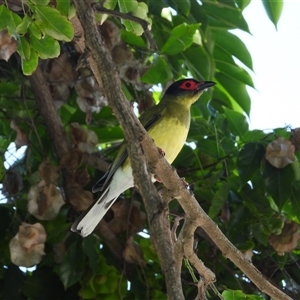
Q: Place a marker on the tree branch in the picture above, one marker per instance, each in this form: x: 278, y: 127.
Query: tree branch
x: 106, y: 73
x: 186, y: 242
x: 101, y: 63
x: 46, y: 109
x: 195, y: 216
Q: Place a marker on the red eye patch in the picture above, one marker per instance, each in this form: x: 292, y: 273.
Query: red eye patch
x: 190, y: 85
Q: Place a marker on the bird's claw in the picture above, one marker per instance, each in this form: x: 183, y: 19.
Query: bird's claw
x: 157, y: 179
x: 161, y: 152
x: 186, y: 185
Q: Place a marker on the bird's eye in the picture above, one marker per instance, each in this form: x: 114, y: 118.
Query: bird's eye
x: 189, y: 85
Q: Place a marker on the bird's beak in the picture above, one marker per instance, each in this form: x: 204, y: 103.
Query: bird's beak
x: 204, y: 85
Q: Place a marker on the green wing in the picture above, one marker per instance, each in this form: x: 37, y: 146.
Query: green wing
x: 148, y: 119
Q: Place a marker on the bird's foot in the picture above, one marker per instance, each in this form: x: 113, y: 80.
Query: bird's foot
x: 161, y: 152
x: 186, y: 185
x: 157, y: 179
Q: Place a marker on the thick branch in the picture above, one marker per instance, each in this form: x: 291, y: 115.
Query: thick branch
x: 101, y: 63
x: 197, y: 217
x: 47, y: 111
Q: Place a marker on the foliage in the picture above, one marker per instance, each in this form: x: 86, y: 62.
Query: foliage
x: 254, y: 203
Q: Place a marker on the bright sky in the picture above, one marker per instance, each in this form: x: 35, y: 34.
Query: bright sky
x: 276, y: 60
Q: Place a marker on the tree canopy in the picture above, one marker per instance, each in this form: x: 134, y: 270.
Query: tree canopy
x: 73, y: 75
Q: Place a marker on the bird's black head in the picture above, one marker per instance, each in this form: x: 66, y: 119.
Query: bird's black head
x: 188, y: 86
x: 186, y: 91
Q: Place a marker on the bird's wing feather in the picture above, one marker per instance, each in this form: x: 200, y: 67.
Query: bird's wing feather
x: 148, y: 119
x: 104, y: 181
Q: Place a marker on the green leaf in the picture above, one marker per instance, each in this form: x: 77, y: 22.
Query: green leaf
x: 158, y: 73
x: 8, y: 88
x: 242, y: 4
x: 138, y: 9
x: 198, y: 14
x: 109, y: 4
x: 228, y: 15
x: 36, y: 28
x: 40, y: 2
x: 221, y: 100
x: 210, y: 147
x: 56, y: 25
x: 233, y: 45
x: 254, y: 135
x: 5, y: 17
x: 296, y: 168
x: 198, y: 62
x: 181, y: 38
x: 219, y: 199
x: 259, y: 234
x: 22, y: 27
x: 278, y: 182
x: 109, y: 134
x: 23, y: 48
x: 46, y: 47
x: 29, y: 66
x: 131, y: 39
x: 237, y: 122
x: 239, y: 295
x: 273, y: 9
x: 9, y: 20
x: 295, y: 200
x: 89, y: 246
x: 12, y: 282
x: 13, y: 24
x: 184, y: 6
x: 222, y: 55
x: 38, y: 284
x: 275, y: 225
x: 256, y: 201
x: 235, y: 72
x: 63, y: 6
x: 72, y: 268
x: 236, y: 91
x: 249, y: 160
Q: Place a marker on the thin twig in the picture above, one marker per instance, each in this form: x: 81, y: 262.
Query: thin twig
x: 189, y: 267
x: 174, y: 228
x: 145, y: 25
x: 215, y: 290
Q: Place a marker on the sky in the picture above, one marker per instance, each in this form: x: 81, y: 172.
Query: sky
x: 276, y: 60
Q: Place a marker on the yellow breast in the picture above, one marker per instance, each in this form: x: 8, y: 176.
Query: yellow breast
x: 170, y: 135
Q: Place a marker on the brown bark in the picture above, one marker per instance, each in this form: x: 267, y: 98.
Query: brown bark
x: 106, y: 73
x: 101, y: 63
x: 46, y: 109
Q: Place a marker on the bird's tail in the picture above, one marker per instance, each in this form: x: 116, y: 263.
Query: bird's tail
x: 87, y: 221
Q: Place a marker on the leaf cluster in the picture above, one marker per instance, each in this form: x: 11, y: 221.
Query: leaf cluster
x: 224, y: 162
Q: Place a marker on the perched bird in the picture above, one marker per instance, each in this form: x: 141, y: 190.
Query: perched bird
x: 167, y: 124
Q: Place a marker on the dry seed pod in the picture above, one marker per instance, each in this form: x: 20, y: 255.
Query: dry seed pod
x: 110, y: 34
x: 8, y: 45
x: 27, y: 246
x: 44, y: 201
x: 280, y: 153
x: 287, y: 240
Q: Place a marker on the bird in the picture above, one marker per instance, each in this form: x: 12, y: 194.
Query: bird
x: 168, y: 125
